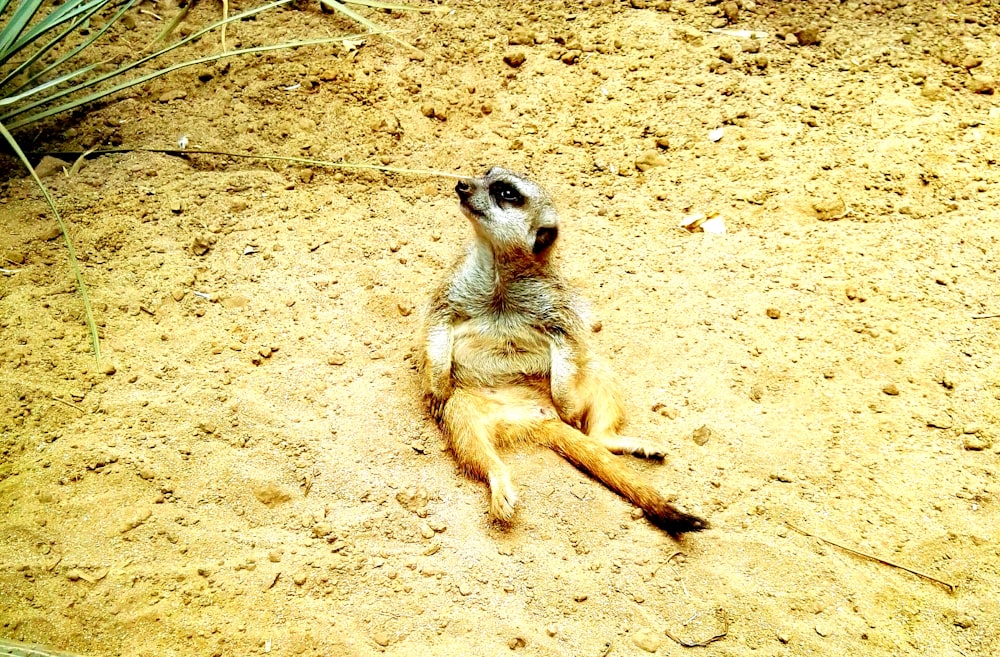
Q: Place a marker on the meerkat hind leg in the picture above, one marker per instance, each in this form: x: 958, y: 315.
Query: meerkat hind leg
x: 597, y: 392
x: 476, y: 423
x: 638, y: 447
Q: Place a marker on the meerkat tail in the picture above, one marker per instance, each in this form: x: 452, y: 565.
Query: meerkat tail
x: 589, y: 455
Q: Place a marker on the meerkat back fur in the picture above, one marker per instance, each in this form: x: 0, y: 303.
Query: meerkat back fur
x: 506, y: 360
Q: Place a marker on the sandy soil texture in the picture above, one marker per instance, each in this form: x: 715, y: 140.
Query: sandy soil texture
x: 258, y: 474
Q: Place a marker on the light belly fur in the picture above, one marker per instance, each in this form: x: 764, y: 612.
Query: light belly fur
x: 484, y: 355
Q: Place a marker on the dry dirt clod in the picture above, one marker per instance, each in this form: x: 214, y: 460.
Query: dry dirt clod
x: 978, y: 84
x: 49, y: 166
x: 200, y: 245
x: 336, y: 358
x: 808, y: 37
x: 890, y: 389
x: 270, y: 494
x: 521, y: 36
x: 701, y: 435
x: 517, y: 642
x: 829, y: 209
x: 647, y: 639
x: 729, y: 52
x: 649, y: 160
x: 731, y: 10
x: 514, y: 59
x: 974, y: 442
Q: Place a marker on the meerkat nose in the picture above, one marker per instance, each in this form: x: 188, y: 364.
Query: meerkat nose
x: 463, y: 189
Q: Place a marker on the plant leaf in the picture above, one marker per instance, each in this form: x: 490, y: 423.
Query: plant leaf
x: 95, y: 341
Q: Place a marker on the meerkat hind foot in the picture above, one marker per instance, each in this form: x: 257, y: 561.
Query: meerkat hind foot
x: 638, y: 447
x: 503, y: 497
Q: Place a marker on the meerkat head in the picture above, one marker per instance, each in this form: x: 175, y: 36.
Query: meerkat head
x: 509, y: 212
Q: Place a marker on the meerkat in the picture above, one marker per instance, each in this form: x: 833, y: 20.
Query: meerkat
x: 506, y: 360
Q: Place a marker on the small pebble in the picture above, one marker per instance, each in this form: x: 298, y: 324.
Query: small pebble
x: 322, y: 529
x: 580, y: 596
x: 729, y: 52
x: 275, y: 555
x: 200, y: 246
x: 299, y: 579
x: 939, y: 422
x: 516, y: 642
x: 890, y: 389
x: 336, y: 358
x: 964, y: 621
x: 773, y: 313
x: 381, y: 637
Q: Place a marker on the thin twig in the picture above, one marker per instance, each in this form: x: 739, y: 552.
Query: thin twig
x: 986, y: 316
x: 9, y: 272
x: 721, y: 614
x: 149, y: 13
x: 296, y: 160
x: 70, y: 404
x: 950, y: 587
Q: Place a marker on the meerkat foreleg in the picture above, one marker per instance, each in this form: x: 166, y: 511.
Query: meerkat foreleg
x: 437, y: 367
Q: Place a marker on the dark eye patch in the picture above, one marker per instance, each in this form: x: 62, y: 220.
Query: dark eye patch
x: 506, y: 194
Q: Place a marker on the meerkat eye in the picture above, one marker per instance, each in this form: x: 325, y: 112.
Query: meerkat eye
x: 506, y: 193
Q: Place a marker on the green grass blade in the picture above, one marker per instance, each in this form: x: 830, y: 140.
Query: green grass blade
x: 42, y: 87
x: 95, y: 341
x: 60, y: 38
x: 55, y: 18
x: 139, y: 62
x: 19, y: 20
x: 3, y: 6
x: 176, y: 67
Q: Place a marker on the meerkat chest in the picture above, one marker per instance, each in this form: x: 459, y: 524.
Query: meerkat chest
x: 491, y: 352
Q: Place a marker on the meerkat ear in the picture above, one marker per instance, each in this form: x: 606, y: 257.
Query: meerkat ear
x: 544, y: 238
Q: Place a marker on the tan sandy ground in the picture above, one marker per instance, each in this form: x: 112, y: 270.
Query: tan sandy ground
x: 259, y: 476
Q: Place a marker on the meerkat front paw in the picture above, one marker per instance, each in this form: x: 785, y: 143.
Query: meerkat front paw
x: 503, y: 497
